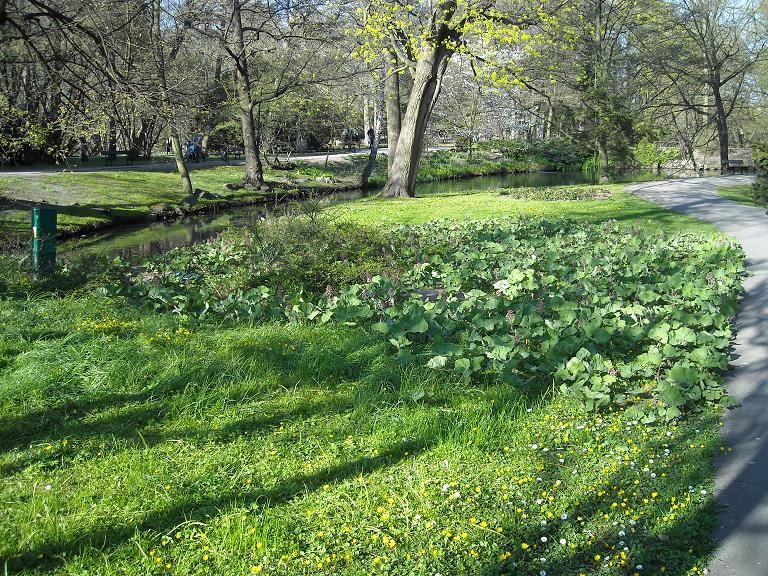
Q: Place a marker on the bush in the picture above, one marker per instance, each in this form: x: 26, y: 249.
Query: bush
x: 540, y: 154
x: 760, y: 187
x: 302, y: 251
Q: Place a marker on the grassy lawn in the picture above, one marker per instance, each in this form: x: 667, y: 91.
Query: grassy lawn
x: 138, y: 441
x: 623, y: 207
x: 741, y: 193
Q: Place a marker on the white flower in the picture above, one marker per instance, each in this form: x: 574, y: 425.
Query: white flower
x: 543, y: 538
x: 703, y: 492
x: 639, y: 567
x: 622, y: 533
x: 563, y: 516
x: 543, y: 573
x: 48, y: 486
x: 562, y: 541
x: 543, y: 522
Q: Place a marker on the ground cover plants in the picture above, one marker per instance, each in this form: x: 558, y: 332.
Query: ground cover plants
x: 484, y: 397
x: 557, y: 193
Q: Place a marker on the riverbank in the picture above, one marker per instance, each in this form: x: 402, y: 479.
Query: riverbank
x: 88, y: 202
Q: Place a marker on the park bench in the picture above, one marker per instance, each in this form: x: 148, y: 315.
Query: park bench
x: 130, y: 156
x: 733, y: 165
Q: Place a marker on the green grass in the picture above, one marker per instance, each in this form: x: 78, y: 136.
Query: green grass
x: 135, y: 444
x: 139, y: 442
x: 741, y: 193
x: 626, y: 208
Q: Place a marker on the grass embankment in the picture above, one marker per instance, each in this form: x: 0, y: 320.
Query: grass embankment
x: 88, y: 201
x: 136, y: 441
x: 741, y: 193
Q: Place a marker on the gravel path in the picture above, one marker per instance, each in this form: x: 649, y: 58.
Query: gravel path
x: 742, y: 475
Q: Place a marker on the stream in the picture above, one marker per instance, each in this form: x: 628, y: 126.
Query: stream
x: 154, y: 238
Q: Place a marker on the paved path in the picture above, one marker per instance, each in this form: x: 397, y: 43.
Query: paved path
x: 98, y: 164
x: 741, y: 482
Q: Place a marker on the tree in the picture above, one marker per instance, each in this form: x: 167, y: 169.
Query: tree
x: 712, y: 47
x: 276, y: 48
x: 425, y: 37
x: 160, y: 65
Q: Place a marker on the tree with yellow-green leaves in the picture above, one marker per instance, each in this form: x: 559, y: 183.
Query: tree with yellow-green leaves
x: 424, y: 36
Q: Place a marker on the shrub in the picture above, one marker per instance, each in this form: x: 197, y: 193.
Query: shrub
x: 760, y: 186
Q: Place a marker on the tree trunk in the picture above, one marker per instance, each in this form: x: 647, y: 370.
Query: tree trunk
x: 178, y: 154
x: 426, y: 87
x: 370, y: 165
x: 181, y: 165
x: 548, y: 122
x: 254, y: 170
x: 366, y: 115
x: 602, y: 150
x: 721, y: 121
x: 392, y: 86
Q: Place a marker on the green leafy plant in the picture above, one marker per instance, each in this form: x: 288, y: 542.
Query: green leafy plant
x: 555, y: 193
x: 611, y: 317
x: 760, y: 186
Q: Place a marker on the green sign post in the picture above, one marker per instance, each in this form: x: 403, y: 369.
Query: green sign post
x: 43, y: 239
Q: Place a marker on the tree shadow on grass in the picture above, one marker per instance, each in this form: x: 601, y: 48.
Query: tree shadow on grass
x: 49, y: 556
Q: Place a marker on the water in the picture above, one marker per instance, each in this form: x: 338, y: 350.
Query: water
x: 150, y: 239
